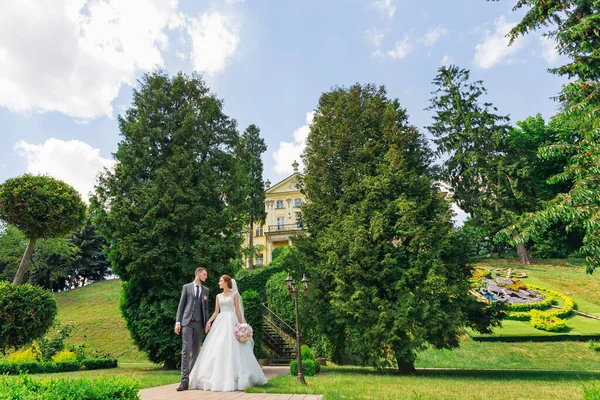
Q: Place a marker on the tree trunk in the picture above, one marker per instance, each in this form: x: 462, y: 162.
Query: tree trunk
x: 170, y: 364
x: 20, y: 276
x: 406, y: 368
x: 522, y: 253
x: 406, y: 362
x: 251, y: 245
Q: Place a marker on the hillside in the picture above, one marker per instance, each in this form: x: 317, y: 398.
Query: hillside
x: 94, y: 309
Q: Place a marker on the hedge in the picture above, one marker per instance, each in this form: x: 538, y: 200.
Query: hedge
x: 309, y: 367
x: 12, y: 368
x: 253, y: 311
x: 102, y: 388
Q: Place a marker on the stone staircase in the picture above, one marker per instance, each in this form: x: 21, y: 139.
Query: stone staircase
x: 279, y: 337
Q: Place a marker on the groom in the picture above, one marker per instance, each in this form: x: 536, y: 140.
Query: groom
x: 192, y: 316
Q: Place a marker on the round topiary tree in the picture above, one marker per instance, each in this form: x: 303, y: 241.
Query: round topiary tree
x: 27, y: 313
x: 41, y: 207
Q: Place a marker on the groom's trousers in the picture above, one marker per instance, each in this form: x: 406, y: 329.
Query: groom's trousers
x: 191, y: 335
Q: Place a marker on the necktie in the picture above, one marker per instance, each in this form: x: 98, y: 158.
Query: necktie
x: 197, y: 291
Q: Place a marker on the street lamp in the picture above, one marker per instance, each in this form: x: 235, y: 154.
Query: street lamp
x: 289, y: 282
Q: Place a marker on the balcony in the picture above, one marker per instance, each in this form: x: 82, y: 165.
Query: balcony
x: 285, y: 228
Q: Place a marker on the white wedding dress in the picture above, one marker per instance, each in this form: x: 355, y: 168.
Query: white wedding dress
x: 224, y: 364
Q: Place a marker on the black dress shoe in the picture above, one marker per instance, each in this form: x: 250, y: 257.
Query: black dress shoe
x: 183, y: 386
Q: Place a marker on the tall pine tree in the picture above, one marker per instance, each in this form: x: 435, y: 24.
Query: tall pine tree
x: 171, y: 204
x: 388, y: 271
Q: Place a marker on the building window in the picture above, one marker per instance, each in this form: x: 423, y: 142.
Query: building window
x: 297, y: 202
x: 259, y: 230
x: 259, y: 260
x: 280, y: 223
x: 279, y: 204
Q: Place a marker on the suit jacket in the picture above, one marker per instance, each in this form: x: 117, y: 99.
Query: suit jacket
x: 185, y: 311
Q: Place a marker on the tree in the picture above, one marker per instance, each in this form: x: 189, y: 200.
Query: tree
x: 27, y: 313
x: 574, y: 26
x: 171, y: 204
x: 91, y: 263
x: 475, y: 141
x: 250, y: 150
x: 388, y: 271
x: 41, y: 207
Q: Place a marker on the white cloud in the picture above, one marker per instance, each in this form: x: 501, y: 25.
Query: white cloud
x: 73, y: 56
x: 374, y: 37
x: 402, y: 49
x: 74, y: 162
x: 446, y: 60
x: 214, y: 41
x: 385, y: 6
x: 433, y: 35
x: 494, y: 48
x: 180, y: 55
x: 549, y: 52
x: 289, y: 151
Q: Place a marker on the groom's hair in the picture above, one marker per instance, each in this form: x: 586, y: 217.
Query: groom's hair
x: 199, y: 270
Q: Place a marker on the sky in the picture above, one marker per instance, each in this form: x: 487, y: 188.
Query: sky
x: 68, y: 67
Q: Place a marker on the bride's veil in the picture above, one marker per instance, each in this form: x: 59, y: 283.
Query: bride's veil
x: 234, y: 288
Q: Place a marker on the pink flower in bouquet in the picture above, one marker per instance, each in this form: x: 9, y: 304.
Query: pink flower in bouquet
x: 243, y: 332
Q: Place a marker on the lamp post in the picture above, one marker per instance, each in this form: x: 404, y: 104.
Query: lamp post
x: 289, y: 282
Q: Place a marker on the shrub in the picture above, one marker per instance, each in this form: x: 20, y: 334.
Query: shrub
x: 284, y: 259
x: 253, y: 311
x: 592, y: 345
x: 27, y: 314
x: 101, y: 388
x: 279, y: 299
x: 547, y: 323
x: 307, y: 353
x: 64, y: 355
x: 14, y: 368
x: 309, y: 367
x: 54, y: 341
x: 31, y: 354
x: 591, y: 390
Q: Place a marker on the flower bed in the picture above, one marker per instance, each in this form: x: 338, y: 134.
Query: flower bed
x: 550, y: 320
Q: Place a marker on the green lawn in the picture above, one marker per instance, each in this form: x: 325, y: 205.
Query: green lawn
x: 476, y: 370
x: 352, y: 383
x: 94, y: 309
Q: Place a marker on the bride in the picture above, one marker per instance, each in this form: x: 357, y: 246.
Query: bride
x: 224, y: 364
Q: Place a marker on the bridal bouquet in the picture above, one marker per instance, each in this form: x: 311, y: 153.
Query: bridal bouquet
x: 243, y: 332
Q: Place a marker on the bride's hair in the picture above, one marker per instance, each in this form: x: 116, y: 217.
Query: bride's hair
x: 227, y: 279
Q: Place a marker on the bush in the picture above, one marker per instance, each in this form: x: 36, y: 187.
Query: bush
x: 309, y: 367
x: 27, y: 314
x: 278, y: 298
x: 284, y: 259
x: 547, y: 323
x: 591, y: 390
x: 15, y: 368
x: 102, y: 388
x: 253, y: 311
x: 64, y: 355
x: 54, y: 341
x: 306, y: 353
x: 592, y: 345
x: 31, y: 354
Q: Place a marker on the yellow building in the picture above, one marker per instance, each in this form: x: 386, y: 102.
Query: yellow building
x: 282, y: 206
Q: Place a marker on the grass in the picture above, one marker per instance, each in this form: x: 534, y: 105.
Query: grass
x: 363, y: 383
x: 476, y: 370
x: 94, y: 310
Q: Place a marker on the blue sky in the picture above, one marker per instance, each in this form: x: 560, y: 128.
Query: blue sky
x: 67, y: 67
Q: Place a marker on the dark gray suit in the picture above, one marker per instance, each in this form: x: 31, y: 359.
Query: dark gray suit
x: 192, y: 314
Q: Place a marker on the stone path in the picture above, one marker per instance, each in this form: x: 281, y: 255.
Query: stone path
x: 169, y: 392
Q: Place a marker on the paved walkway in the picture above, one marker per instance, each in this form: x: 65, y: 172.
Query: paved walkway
x: 169, y: 392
